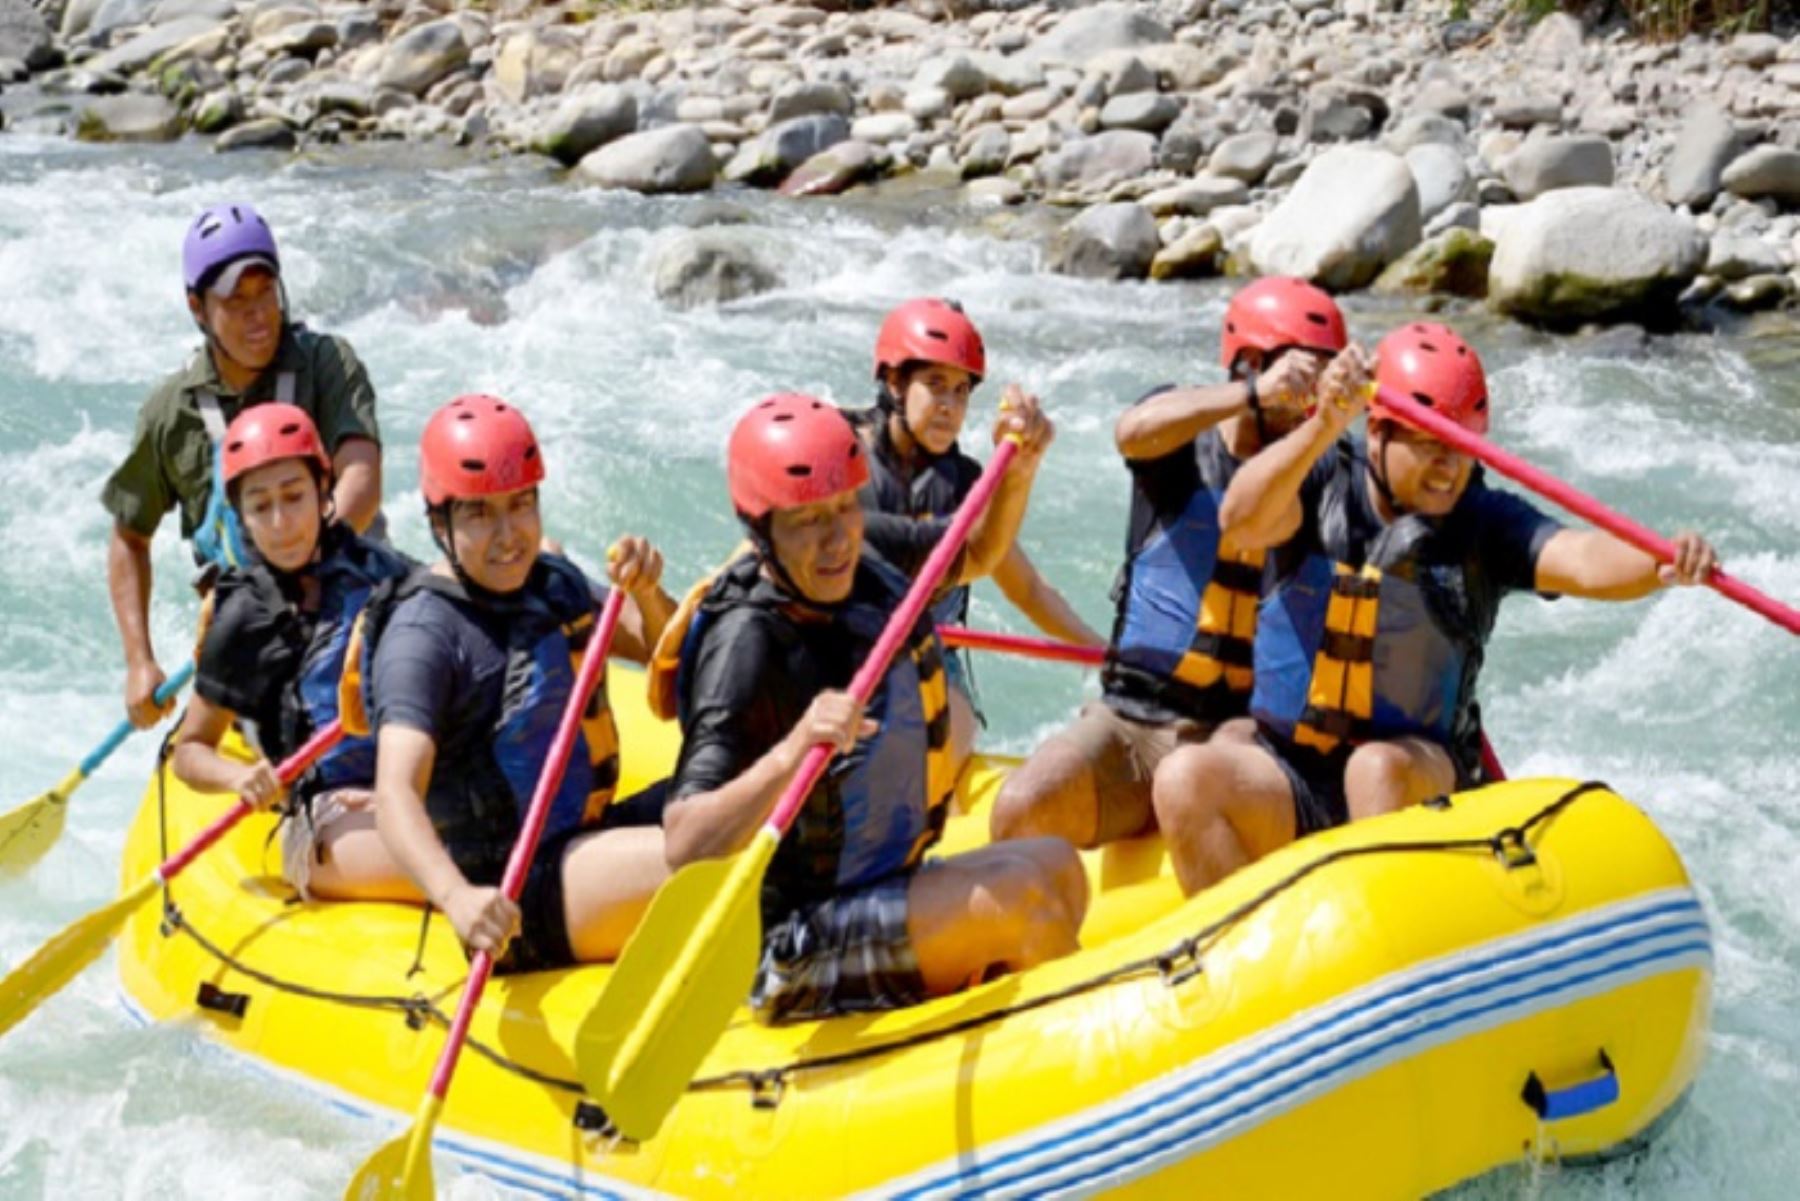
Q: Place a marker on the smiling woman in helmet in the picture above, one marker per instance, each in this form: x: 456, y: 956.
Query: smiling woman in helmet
x: 273, y: 639
x: 755, y: 664
x: 929, y: 358
x: 468, y: 666
x: 1395, y: 558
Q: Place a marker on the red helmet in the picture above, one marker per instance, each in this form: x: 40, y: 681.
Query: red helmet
x: 792, y: 450
x: 930, y: 331
x: 268, y: 433
x: 1436, y: 368
x: 477, y: 446
x: 1280, y: 311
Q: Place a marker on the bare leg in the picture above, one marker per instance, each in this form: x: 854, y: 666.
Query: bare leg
x: 608, y: 880
x: 963, y: 728
x: 352, y: 863
x: 1012, y: 905
x: 1053, y: 793
x: 1221, y: 805
x: 1384, y: 777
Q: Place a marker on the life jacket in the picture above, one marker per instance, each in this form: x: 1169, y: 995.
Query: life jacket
x: 882, y: 803
x: 935, y: 490
x: 348, y: 570
x: 219, y: 538
x: 479, y: 794
x: 1378, y: 647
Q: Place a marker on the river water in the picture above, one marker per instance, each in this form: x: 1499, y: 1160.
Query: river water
x: 450, y: 276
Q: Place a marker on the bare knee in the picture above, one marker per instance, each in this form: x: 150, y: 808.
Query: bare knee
x: 1045, y: 894
x: 1190, y: 785
x: 1381, y: 777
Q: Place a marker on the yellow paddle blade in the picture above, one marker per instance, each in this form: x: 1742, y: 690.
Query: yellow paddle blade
x: 33, y: 828
x: 61, y: 959
x: 685, y: 971
x: 401, y: 1169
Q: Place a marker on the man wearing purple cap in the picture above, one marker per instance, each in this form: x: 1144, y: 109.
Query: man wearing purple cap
x: 252, y: 355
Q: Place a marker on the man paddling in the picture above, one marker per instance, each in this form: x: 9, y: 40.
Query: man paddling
x: 1395, y: 558
x: 252, y: 354
x: 855, y: 917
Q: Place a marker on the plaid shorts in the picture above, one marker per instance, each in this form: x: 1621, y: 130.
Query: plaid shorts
x: 847, y: 954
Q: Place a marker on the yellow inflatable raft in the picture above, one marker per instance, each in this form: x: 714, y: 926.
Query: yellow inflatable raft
x: 1379, y: 1011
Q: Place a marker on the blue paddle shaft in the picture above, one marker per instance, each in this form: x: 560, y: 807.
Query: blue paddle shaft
x: 170, y: 689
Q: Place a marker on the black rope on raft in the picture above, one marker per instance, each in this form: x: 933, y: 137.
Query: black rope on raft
x: 1175, y: 964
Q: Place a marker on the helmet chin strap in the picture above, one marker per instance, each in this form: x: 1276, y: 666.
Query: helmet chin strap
x: 1379, y: 473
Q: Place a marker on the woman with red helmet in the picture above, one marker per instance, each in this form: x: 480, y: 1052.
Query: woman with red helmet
x: 466, y: 667
x: 755, y: 665
x: 273, y: 640
x: 1178, y: 664
x: 1397, y: 555
x: 929, y: 358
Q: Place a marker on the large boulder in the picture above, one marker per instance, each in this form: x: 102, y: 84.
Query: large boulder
x: 1707, y: 143
x: 1545, y: 164
x: 534, y: 62
x: 1195, y: 197
x: 150, y: 45
x: 1100, y: 161
x: 422, y: 56
x: 134, y: 117
x: 1108, y: 241
x: 25, y: 35
x: 714, y: 266
x: 832, y: 171
x: 957, y: 75
x: 1767, y: 171
x: 1441, y: 175
x: 1354, y: 211
x: 675, y: 158
x: 769, y: 157
x: 1454, y: 262
x: 1581, y: 254
x: 584, y: 122
x: 1089, y: 32
x: 811, y: 99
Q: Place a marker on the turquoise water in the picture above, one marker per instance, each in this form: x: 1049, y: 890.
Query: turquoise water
x: 450, y: 276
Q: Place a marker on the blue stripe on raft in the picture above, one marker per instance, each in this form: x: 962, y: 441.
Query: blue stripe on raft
x: 1157, y: 1109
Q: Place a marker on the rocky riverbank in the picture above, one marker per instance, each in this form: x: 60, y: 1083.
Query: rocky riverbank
x: 1565, y: 175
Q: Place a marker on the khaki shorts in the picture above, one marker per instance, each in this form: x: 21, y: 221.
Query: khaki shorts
x: 1123, y: 754
x: 300, y: 848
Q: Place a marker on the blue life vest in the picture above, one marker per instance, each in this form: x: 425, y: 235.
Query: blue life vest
x: 478, y: 796
x: 219, y: 538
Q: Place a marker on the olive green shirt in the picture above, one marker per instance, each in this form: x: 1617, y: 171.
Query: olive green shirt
x: 170, y: 463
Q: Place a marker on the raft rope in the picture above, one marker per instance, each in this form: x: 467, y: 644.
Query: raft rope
x: 1178, y: 963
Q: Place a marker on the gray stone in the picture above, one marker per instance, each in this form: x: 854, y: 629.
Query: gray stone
x: 145, y: 48
x: 1753, y: 49
x: 1555, y: 43
x: 1766, y: 171
x: 1330, y: 116
x: 1030, y: 106
x: 1580, y: 254
x: 1454, y: 262
x: 25, y: 35
x: 119, y: 14
x: 586, y: 121
x: 927, y: 104
x: 217, y: 111
x: 675, y: 158
x: 1149, y: 111
x: 1442, y: 178
x: 1354, y: 211
x: 1421, y: 129
x: 129, y: 118
x: 884, y: 127
x: 1087, y: 32
x: 1464, y: 214
x: 955, y: 74
x: 983, y: 151
x: 265, y: 133
x: 1245, y: 156
x: 1707, y: 143
x: 1195, y: 197
x: 1738, y: 256
x: 422, y: 56
x: 535, y: 63
x: 1545, y: 164
x: 1522, y: 110
x: 173, y: 10
x: 1189, y: 140
x: 1759, y: 292
x: 1008, y: 74
x: 817, y: 98
x: 769, y: 157
x: 302, y: 38
x: 832, y: 171
x: 12, y: 70
x: 714, y: 266
x: 1099, y: 161
x: 1108, y: 241
x: 1194, y: 255
x: 1180, y: 67
x: 1119, y: 72
x: 995, y: 190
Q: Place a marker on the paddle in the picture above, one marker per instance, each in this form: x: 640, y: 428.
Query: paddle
x: 1578, y: 503
x: 61, y: 959
x: 400, y: 1170
x: 693, y: 958
x: 33, y: 828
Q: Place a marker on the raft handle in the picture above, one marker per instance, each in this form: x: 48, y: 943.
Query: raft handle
x: 1512, y: 850
x: 591, y: 1119
x: 766, y: 1089
x: 1577, y: 1100
x: 217, y: 1000
x: 1179, y: 964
